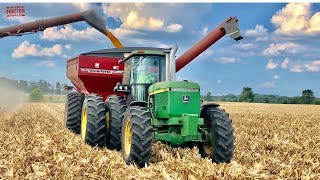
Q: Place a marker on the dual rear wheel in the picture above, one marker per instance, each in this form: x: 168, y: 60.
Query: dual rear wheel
x: 98, y: 123
x: 93, y: 121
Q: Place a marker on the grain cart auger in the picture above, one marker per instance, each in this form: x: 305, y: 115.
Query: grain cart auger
x: 155, y: 107
x: 90, y: 17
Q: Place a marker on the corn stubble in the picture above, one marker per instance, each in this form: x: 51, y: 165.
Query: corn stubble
x: 272, y: 141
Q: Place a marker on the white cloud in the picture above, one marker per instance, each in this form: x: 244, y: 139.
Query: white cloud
x: 270, y: 84
x: 313, y: 66
x: 205, y: 31
x: 301, y: 66
x: 28, y: 49
x: 296, y: 18
x: 281, y: 48
x: 245, y: 46
x: 134, y: 16
x: 276, y: 77
x: 84, y: 6
x: 69, y: 33
x: 67, y: 46
x: 219, y: 81
x: 310, y: 66
x: 123, y: 33
x: 259, y: 32
x: 271, y: 64
x: 135, y: 21
x: 147, y: 16
x: 48, y: 64
x: 227, y: 60
x: 296, y: 68
x: 285, y: 63
x: 174, y: 28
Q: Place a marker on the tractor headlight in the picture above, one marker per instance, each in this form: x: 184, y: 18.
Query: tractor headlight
x: 123, y: 88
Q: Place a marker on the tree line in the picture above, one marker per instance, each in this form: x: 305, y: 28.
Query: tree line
x: 247, y: 95
x: 28, y: 86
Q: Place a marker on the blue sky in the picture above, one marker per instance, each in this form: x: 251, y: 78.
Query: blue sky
x: 278, y: 55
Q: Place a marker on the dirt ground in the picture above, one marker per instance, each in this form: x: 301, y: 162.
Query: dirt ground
x: 271, y: 141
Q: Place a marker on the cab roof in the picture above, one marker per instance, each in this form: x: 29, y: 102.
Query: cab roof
x: 119, y: 52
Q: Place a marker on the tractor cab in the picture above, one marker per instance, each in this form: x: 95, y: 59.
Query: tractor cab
x: 143, y: 68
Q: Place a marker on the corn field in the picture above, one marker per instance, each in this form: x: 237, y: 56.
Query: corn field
x: 272, y: 141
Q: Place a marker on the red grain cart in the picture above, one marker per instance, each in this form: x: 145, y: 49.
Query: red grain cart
x: 98, y: 71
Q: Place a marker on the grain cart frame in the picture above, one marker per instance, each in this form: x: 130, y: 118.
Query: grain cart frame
x: 156, y: 107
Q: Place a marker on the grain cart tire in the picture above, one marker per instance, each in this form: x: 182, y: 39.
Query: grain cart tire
x: 136, y: 136
x: 115, y: 107
x: 72, y: 113
x: 93, y: 121
x: 220, y: 143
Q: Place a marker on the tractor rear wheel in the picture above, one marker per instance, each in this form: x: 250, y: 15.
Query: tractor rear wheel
x: 72, y: 113
x: 116, y: 107
x: 136, y: 137
x: 220, y: 137
x: 93, y: 121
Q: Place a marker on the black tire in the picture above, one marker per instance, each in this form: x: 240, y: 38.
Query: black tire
x: 139, y: 152
x: 116, y: 107
x: 221, y: 144
x: 94, y: 130
x: 72, y: 113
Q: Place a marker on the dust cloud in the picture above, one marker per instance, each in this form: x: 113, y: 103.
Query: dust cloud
x: 11, y: 99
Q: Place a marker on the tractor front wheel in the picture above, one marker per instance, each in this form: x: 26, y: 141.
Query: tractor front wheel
x: 93, y: 121
x: 220, y: 144
x: 72, y: 113
x: 136, y: 136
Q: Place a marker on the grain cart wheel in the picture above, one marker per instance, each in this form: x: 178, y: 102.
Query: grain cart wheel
x: 116, y: 107
x: 136, y: 136
x: 93, y: 122
x: 220, y: 136
x: 72, y: 113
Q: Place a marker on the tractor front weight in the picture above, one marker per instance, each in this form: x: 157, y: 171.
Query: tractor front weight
x: 178, y: 131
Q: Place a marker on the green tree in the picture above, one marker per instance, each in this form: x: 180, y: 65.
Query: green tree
x: 295, y: 100
x: 208, y: 97
x: 246, y: 95
x: 266, y: 99
x: 307, y: 96
x: 36, y: 94
x: 58, y: 88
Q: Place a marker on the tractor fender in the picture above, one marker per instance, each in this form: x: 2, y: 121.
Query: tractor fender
x: 139, y: 103
x: 204, y: 108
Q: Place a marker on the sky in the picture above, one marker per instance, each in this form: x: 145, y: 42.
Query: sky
x: 279, y: 52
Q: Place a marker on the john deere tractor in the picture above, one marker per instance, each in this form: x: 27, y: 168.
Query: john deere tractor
x: 155, y: 107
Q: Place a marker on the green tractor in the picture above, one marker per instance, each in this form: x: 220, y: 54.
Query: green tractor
x: 157, y: 108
